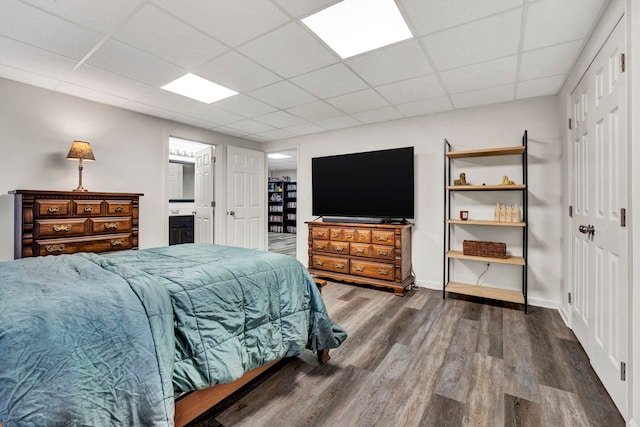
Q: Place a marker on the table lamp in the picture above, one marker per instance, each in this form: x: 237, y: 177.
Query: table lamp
x: 80, y: 151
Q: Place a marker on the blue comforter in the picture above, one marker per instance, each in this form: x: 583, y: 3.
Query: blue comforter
x: 109, y: 340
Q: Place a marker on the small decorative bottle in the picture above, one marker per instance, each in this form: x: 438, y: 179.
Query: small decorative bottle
x: 496, y: 213
x: 503, y: 213
x: 508, y: 216
x: 517, y: 213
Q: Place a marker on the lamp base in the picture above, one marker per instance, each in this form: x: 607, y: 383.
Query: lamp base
x: 80, y: 188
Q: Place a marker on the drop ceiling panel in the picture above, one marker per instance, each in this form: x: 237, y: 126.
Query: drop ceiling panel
x: 436, y: 15
x: 149, y: 110
x: 486, y: 96
x: 27, y: 24
x: 135, y: 64
x: 283, y: 95
x: 487, y: 74
x: 551, y: 22
x: 192, y: 121
x: 331, y: 81
x: 540, y: 87
x: 104, y: 81
x: 168, y: 101
x: 276, y: 134
x: 250, y: 126
x: 214, y: 114
x: 341, y: 122
x: 429, y: 106
x: 237, y: 72
x: 305, y: 129
x: 27, y: 77
x: 314, y: 111
x: 245, y: 105
x: 479, y: 41
x: 280, y: 119
x: 382, y: 66
x: 412, y: 90
x: 231, y: 22
x: 358, y: 101
x: 378, y: 115
x: 289, y: 51
x: 90, y: 94
x: 548, y: 61
x: 148, y: 31
x: 22, y: 56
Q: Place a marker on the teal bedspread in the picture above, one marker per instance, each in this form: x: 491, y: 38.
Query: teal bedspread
x: 110, y: 339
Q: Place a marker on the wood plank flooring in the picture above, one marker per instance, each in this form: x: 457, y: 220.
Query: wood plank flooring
x: 282, y: 243
x: 424, y: 361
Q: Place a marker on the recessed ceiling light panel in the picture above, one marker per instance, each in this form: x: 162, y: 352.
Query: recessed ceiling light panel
x: 197, y: 88
x: 352, y: 27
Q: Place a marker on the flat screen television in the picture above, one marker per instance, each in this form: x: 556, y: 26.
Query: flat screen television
x: 373, y: 184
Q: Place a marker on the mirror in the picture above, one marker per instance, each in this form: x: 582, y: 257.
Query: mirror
x: 181, y: 181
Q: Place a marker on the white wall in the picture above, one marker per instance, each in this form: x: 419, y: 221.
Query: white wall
x: 37, y: 127
x: 495, y: 125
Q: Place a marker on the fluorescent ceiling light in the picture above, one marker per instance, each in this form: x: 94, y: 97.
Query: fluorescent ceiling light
x: 197, y: 88
x: 278, y: 156
x: 355, y: 26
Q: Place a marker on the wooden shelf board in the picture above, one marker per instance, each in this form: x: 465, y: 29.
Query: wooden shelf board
x: 513, y: 260
x: 486, y: 187
x: 485, y: 292
x: 485, y: 222
x: 486, y: 152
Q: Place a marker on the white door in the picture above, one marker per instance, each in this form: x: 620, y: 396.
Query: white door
x: 247, y: 188
x: 175, y: 181
x: 600, y: 248
x: 204, y: 196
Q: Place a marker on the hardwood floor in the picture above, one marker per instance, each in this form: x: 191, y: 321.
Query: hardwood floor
x: 424, y: 361
x: 282, y: 243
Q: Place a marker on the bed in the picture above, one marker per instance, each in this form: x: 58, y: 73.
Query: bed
x: 114, y: 339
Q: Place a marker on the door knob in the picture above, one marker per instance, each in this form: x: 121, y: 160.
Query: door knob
x: 587, y: 229
x: 232, y: 213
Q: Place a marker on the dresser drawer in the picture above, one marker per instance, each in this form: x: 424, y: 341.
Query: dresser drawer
x: 340, y: 265
x: 372, y: 269
x: 372, y: 251
x: 363, y: 236
x: 110, y: 225
x: 320, y: 245
x: 320, y: 233
x: 118, y: 207
x: 83, y: 244
x: 343, y: 234
x: 88, y: 207
x: 52, y: 208
x: 382, y: 237
x: 64, y: 227
x: 341, y: 248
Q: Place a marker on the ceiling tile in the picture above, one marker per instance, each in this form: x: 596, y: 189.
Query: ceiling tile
x: 379, y: 115
x: 412, y: 90
x: 289, y: 51
x: 168, y: 101
x: 244, y: 105
x: 315, y: 111
x: 129, y: 62
x: 283, y: 95
x: 330, y: 81
x: 478, y: 41
x: 305, y: 129
x: 280, y: 119
x: 149, y: 110
x: 212, y: 113
x: 391, y: 64
x: 487, y: 74
x: 540, y: 87
x: 341, y: 122
x: 250, y: 126
x: 422, y: 107
x: 303, y: 8
x: 22, y: 22
x: 276, y: 134
x: 25, y: 57
x: 236, y: 72
x: 192, y: 121
x: 228, y: 131
x: 104, y: 81
x: 232, y: 22
x: 549, y: 61
x: 27, y: 77
x: 435, y: 15
x: 358, y: 101
x: 102, y: 16
x: 183, y: 45
x: 550, y: 22
x: 91, y: 95
x: 486, y: 96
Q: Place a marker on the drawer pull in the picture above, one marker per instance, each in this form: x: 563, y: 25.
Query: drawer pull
x: 61, y: 227
x: 339, y: 265
x: 383, y: 272
x: 88, y: 209
x: 363, y: 237
x: 383, y: 253
x: 359, y: 250
x: 336, y: 234
x: 53, y: 209
x: 111, y: 226
x: 319, y: 246
x: 319, y: 234
x: 117, y: 242
x: 54, y: 248
x: 119, y: 209
x: 319, y: 262
x: 339, y: 248
x: 382, y: 238
x: 349, y: 235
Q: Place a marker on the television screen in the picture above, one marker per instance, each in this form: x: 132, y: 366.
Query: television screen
x: 374, y: 184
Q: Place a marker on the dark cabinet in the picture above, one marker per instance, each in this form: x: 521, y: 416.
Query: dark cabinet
x: 180, y: 229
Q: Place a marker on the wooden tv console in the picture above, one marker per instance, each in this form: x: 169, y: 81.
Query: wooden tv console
x: 369, y: 254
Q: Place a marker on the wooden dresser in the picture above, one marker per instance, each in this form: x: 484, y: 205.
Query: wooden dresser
x: 371, y: 254
x: 65, y: 222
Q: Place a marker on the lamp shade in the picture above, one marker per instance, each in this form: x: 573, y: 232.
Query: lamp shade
x: 80, y: 150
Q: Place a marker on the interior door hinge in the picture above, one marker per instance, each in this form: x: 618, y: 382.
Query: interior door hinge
x: 623, y: 66
x: 213, y: 204
x: 569, y: 123
x: 214, y: 159
x: 623, y: 371
x: 570, y: 211
x: 569, y: 297
x: 623, y: 217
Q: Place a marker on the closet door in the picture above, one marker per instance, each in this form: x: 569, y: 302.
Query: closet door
x: 600, y: 237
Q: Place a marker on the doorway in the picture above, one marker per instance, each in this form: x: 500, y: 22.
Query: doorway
x: 190, y: 191
x: 282, y: 201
